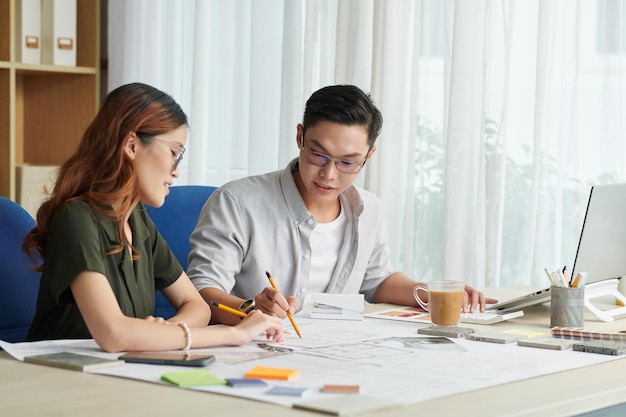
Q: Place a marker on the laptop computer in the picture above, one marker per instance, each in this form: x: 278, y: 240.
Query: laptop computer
x: 601, y: 248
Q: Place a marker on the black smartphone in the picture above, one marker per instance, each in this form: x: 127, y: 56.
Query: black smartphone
x: 169, y: 358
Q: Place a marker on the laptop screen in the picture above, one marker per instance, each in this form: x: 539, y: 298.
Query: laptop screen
x: 601, y: 248
x: 602, y: 245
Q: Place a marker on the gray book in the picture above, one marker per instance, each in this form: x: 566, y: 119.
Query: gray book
x: 74, y: 361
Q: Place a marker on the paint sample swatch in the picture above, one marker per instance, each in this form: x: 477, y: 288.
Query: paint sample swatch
x: 265, y: 372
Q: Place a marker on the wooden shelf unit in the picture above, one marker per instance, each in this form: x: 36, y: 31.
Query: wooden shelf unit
x: 44, y: 109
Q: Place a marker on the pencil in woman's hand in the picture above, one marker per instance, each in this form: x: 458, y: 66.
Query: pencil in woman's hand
x: 229, y: 309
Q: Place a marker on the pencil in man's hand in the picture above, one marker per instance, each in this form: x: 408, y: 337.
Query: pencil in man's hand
x: 293, y: 322
x: 229, y: 309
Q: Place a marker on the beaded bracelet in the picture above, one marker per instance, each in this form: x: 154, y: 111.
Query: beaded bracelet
x: 185, y: 328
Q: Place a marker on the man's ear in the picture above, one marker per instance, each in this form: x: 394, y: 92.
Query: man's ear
x: 130, y: 145
x: 299, y: 135
x: 371, y: 152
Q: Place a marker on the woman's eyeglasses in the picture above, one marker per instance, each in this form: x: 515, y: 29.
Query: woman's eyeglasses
x: 177, y: 157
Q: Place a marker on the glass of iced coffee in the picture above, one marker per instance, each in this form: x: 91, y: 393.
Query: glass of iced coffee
x: 445, y: 300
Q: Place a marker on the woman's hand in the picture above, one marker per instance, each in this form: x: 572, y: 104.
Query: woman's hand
x: 258, y: 322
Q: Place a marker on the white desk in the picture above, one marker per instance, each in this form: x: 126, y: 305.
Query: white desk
x: 28, y: 389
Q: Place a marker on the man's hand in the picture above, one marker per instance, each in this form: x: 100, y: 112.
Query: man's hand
x: 271, y: 301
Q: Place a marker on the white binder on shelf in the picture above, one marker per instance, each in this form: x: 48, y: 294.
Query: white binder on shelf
x: 58, y: 32
x: 34, y: 185
x: 28, y: 31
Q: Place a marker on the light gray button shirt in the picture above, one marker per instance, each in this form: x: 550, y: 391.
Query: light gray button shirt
x: 260, y: 223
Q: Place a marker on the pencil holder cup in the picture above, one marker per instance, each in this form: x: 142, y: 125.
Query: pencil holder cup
x: 567, y: 307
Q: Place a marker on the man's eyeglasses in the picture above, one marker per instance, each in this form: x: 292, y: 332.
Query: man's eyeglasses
x: 321, y: 160
x: 177, y: 157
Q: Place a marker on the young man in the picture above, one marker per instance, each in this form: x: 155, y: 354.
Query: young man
x: 308, y: 224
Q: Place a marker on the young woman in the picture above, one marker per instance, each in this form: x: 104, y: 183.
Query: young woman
x: 103, y: 257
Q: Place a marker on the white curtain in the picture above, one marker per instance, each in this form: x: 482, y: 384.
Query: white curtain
x: 498, y: 115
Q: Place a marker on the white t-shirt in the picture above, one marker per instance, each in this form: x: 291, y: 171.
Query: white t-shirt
x: 326, y: 240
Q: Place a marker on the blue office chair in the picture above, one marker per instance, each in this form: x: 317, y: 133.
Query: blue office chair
x: 19, y: 284
x: 176, y: 220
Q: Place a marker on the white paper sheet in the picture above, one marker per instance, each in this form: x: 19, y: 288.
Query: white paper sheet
x: 387, y: 359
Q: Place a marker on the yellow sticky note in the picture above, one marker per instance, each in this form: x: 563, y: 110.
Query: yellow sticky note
x: 528, y: 333
x: 264, y: 372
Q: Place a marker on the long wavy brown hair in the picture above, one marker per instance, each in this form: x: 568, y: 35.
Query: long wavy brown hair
x: 99, y: 173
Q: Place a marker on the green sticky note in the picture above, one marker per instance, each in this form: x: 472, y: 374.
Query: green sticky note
x: 195, y: 378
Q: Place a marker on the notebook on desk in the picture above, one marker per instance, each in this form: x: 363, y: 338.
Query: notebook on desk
x: 601, y: 248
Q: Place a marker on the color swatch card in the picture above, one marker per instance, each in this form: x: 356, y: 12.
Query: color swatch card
x: 289, y: 391
x: 547, y: 343
x: 604, y: 347
x: 245, y: 382
x: 195, y: 378
x: 265, y: 372
x: 341, y: 389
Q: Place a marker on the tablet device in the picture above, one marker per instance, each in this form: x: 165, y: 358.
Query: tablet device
x: 169, y: 358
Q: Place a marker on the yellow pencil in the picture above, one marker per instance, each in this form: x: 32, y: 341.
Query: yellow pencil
x: 293, y: 322
x: 229, y: 309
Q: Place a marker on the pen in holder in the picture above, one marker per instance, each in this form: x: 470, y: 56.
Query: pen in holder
x: 567, y: 307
